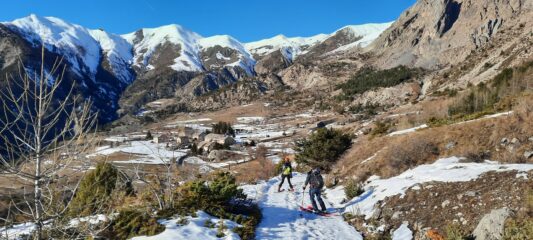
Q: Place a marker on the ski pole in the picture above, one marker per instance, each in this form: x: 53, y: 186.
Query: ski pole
x: 303, y: 198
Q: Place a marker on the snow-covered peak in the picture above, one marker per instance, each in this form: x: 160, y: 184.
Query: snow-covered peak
x: 74, y: 41
x: 220, y: 40
x: 369, y: 32
x: 172, y: 33
x: 295, y: 45
x: 147, y: 40
x: 119, y: 53
x: 245, y: 59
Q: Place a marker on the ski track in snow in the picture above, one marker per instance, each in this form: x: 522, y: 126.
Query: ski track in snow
x: 282, y: 218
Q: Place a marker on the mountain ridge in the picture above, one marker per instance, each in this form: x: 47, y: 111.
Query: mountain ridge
x: 171, y: 55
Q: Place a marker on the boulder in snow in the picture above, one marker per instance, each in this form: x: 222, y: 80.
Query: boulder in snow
x: 491, y: 225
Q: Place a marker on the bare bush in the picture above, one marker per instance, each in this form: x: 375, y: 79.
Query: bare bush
x: 45, y: 129
x: 412, y: 152
x: 267, y: 167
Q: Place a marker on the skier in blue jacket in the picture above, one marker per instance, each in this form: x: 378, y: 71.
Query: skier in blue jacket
x: 316, y: 183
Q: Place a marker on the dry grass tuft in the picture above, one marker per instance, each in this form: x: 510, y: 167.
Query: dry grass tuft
x: 261, y: 168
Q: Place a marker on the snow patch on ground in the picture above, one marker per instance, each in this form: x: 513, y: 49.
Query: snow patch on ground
x: 444, y: 170
x: 409, y: 130
x: 17, y: 231
x: 149, y: 153
x: 488, y: 117
x: 402, y: 233
x: 95, y: 219
x: 194, y: 229
x: 250, y: 119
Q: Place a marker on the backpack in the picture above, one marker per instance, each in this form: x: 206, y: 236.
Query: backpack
x: 315, y: 180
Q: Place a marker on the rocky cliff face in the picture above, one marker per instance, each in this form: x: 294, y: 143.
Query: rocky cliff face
x: 432, y: 34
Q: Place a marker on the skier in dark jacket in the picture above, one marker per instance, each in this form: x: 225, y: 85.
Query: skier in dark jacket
x: 286, y: 172
x: 316, y: 182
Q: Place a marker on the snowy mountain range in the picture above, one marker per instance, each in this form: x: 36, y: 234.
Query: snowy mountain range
x: 82, y: 46
x: 171, y: 55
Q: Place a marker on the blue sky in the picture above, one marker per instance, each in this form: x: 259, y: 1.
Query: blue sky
x: 247, y: 20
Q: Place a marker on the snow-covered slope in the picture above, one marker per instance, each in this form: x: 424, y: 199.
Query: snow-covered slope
x: 244, y: 58
x: 444, y: 170
x: 290, y: 47
x: 368, y: 33
x: 146, y: 41
x: 71, y: 40
x: 118, y: 51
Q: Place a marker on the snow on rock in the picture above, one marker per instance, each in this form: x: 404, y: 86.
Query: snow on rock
x: 190, y: 43
x: 73, y: 41
x: 118, y: 52
x: 443, y: 170
x: 409, y: 130
x: 403, y: 232
x: 246, y: 61
x: 194, y: 229
x: 152, y: 38
x: 282, y: 218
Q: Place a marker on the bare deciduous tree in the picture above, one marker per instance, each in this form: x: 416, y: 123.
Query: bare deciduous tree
x: 45, y: 127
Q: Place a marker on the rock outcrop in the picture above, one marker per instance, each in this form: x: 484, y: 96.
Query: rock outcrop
x: 431, y: 34
x: 491, y: 225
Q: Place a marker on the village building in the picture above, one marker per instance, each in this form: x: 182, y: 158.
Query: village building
x: 220, y: 139
x: 163, y: 138
x: 199, y: 136
x: 186, y: 132
x: 206, y: 146
x: 183, y: 141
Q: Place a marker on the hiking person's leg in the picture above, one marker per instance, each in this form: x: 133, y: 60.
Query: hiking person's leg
x: 319, y: 198
x: 281, y: 183
x: 289, y: 181
x: 312, y: 196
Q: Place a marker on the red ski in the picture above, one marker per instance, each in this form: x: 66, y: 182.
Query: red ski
x: 309, y: 209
